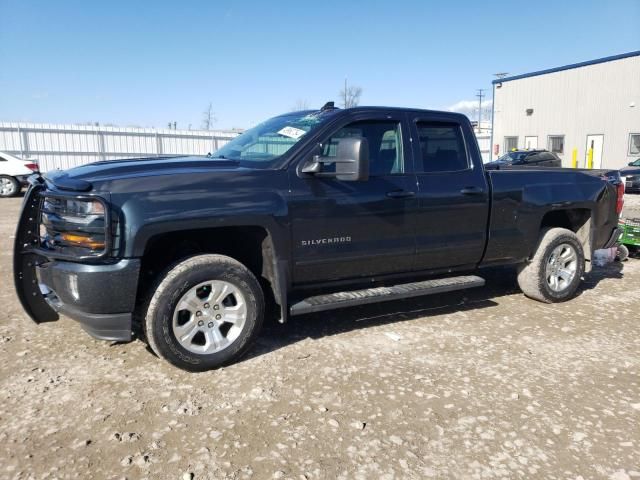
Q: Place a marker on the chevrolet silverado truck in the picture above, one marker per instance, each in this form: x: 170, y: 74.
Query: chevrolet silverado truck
x: 306, y: 212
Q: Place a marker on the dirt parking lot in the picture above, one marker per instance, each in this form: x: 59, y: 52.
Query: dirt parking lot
x: 477, y: 384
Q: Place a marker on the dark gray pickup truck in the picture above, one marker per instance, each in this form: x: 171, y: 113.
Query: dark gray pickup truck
x: 306, y: 212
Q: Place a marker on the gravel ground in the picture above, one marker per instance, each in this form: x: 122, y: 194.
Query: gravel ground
x: 631, y: 206
x: 477, y: 384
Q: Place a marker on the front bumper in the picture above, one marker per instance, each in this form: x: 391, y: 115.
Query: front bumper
x: 100, y: 297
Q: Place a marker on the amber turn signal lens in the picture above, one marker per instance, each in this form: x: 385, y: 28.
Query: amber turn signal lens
x: 82, y: 241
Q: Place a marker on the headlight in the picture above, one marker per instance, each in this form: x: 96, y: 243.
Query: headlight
x: 75, y: 227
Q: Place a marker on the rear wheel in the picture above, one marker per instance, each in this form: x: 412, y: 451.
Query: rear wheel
x: 556, y: 269
x: 205, y: 313
x: 9, y: 186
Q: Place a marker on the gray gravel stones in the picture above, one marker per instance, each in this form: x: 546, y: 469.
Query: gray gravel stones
x: 476, y: 385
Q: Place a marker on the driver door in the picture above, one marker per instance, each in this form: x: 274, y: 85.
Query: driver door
x: 349, y: 229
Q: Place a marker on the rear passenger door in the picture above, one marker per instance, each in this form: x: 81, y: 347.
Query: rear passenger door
x: 540, y: 159
x: 453, y: 196
x: 551, y: 160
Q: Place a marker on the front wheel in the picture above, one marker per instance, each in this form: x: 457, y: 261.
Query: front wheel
x: 205, y: 313
x: 556, y: 269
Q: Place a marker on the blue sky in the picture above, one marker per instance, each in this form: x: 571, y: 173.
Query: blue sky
x: 147, y: 63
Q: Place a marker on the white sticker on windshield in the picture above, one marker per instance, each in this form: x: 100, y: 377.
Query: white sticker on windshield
x: 292, y: 132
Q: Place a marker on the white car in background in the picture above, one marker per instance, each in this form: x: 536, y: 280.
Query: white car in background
x: 13, y: 174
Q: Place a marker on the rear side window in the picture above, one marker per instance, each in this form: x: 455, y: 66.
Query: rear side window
x: 442, y: 148
x: 533, y: 158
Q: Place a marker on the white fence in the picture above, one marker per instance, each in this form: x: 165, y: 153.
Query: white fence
x: 65, y: 146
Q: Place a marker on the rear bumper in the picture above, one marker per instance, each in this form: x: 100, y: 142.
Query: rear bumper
x: 100, y: 297
x: 615, y: 236
x: 22, y: 179
x: 632, y: 184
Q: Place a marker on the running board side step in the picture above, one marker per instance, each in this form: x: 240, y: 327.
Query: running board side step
x: 330, y: 301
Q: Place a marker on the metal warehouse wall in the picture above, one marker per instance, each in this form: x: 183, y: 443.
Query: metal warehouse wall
x: 484, y: 142
x: 602, y: 98
x: 65, y: 146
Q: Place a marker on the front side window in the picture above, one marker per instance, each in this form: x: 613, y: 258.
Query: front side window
x: 385, y: 145
x: 510, y: 143
x: 262, y: 145
x: 442, y: 147
x: 556, y: 143
x: 634, y: 144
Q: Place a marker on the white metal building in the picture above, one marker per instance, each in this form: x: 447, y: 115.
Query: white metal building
x: 587, y: 111
x: 65, y: 146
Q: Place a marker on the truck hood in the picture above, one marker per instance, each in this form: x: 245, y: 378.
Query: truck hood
x: 86, y: 177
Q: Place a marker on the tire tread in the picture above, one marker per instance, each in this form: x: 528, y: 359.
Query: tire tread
x: 163, y: 288
x: 531, y: 277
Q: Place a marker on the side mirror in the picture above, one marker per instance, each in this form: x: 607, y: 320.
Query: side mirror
x: 632, y: 164
x: 351, y: 161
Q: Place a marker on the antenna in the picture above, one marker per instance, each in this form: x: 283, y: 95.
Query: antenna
x: 328, y: 106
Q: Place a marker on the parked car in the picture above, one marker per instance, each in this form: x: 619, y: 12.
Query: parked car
x: 632, y: 176
x: 13, y: 174
x: 306, y: 212
x: 527, y: 158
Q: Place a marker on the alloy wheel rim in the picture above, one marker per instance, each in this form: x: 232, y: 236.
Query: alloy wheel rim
x: 209, y: 317
x: 562, y: 267
x: 6, y: 186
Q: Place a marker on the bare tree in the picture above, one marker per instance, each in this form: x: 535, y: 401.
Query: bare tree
x: 301, y: 104
x: 208, y: 117
x: 350, y: 95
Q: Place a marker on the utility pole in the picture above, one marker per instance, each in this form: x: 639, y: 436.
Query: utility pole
x: 345, y: 92
x: 480, y: 96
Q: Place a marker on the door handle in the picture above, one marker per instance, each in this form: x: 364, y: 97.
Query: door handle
x: 472, y: 191
x: 400, y: 194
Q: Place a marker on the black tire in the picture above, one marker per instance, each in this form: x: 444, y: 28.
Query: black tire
x: 179, y: 280
x: 14, y: 188
x: 532, y: 276
x: 622, y: 253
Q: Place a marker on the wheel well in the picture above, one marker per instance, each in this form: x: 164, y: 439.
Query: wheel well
x: 572, y: 219
x: 578, y: 220
x: 250, y: 245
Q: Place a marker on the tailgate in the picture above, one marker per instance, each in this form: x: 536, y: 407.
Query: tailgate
x: 25, y: 260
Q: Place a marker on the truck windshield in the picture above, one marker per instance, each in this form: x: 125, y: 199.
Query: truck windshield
x: 262, y: 145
